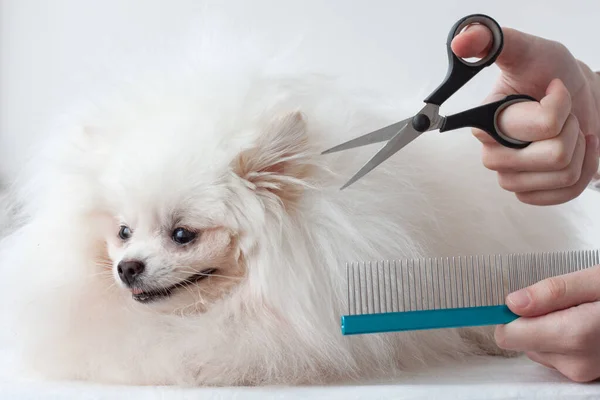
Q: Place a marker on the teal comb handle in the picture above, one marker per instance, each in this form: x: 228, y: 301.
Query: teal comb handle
x: 427, y: 319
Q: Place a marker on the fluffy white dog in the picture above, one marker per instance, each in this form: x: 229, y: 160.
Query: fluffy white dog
x: 188, y: 231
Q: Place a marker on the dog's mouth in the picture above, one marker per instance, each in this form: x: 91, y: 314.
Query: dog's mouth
x: 147, y: 296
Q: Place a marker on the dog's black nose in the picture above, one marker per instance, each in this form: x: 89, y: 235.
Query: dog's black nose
x: 130, y: 270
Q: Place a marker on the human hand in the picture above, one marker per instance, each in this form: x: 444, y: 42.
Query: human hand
x: 564, y: 126
x: 560, y: 324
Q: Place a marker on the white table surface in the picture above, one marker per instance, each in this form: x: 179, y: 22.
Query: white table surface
x: 479, y: 379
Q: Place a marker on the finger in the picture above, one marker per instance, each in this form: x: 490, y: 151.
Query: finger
x: 559, y: 196
x: 474, y: 41
x: 484, y: 138
x: 543, y: 156
x: 532, y: 121
x: 519, y: 48
x: 540, y: 358
x: 481, y: 135
x: 556, y: 293
x: 541, y: 334
x: 573, y: 330
x: 578, y: 368
x: 535, y: 181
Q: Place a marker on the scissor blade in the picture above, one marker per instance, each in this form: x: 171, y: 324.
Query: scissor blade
x: 404, y: 137
x: 380, y: 135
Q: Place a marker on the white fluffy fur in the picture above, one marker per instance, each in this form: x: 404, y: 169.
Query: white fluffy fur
x: 170, y: 142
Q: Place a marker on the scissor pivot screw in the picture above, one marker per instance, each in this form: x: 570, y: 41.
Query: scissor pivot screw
x: 421, y: 122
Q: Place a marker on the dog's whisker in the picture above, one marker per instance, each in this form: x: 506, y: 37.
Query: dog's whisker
x: 234, y: 278
x: 217, y: 275
x: 104, y: 263
x: 102, y: 274
x: 194, y: 305
x: 108, y: 289
x: 108, y: 265
x: 189, y: 289
x: 186, y: 269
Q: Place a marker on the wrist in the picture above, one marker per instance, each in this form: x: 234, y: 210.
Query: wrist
x: 596, y: 178
x: 593, y: 79
x: 595, y: 85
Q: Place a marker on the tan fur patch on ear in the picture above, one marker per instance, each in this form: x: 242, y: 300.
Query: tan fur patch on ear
x: 276, y: 163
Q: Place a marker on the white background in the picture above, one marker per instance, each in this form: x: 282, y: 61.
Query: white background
x: 52, y: 52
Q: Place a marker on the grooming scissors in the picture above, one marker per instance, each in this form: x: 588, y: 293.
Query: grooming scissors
x: 459, y: 72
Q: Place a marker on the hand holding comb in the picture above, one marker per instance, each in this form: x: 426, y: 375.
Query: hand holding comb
x: 405, y: 295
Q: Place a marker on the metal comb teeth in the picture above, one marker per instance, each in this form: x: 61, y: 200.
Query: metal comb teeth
x: 401, y: 286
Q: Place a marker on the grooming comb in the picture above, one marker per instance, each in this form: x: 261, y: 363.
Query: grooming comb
x: 451, y: 292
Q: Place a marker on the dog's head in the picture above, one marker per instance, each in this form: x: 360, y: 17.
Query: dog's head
x: 191, y: 203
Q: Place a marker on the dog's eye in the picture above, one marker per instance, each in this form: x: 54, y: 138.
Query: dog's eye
x: 124, y: 232
x: 183, y: 236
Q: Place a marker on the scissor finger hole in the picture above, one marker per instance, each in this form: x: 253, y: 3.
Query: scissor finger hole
x: 492, y: 51
x: 482, y: 54
x: 497, y: 115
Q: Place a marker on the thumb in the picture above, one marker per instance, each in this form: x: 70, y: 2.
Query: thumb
x: 556, y: 293
x: 476, y: 40
x: 519, y: 48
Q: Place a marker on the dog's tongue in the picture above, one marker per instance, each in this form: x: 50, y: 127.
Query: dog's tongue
x: 137, y: 291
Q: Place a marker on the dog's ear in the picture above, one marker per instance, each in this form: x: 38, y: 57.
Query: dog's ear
x: 277, y: 162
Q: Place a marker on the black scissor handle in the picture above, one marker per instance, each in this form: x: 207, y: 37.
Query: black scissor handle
x: 461, y: 71
x: 485, y: 117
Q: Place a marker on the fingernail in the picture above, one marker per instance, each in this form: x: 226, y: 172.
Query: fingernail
x: 519, y: 299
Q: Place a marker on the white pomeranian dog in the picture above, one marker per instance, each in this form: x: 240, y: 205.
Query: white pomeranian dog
x: 187, y: 231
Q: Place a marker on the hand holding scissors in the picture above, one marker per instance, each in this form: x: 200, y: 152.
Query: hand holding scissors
x: 460, y: 71
x: 564, y: 126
